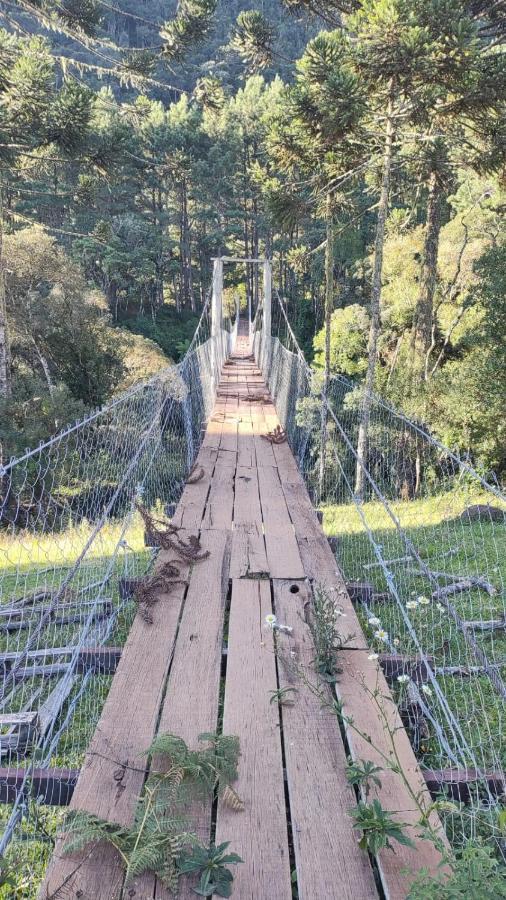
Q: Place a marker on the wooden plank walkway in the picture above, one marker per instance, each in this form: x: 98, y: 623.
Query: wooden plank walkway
x: 252, y: 512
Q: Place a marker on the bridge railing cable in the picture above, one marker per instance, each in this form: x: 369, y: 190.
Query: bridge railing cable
x: 72, y: 542
x: 420, y: 539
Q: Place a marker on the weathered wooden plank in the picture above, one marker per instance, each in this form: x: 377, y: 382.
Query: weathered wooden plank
x: 17, y: 719
x: 320, y: 796
x: 103, y: 660
x: 283, y: 552
x: 229, y: 439
x: 302, y: 512
x: 360, y: 679
x: 190, y: 510
x: 395, y: 664
x: 247, y: 509
x: 263, y: 448
x: 113, y: 773
x: 51, y: 786
x: 274, y: 509
x: 51, y: 707
x: 462, y: 784
x: 248, y: 558
x: 191, y: 701
x: 227, y: 458
x: 259, y: 833
x: 246, y: 455
x: 220, y: 503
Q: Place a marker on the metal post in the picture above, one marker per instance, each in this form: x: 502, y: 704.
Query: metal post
x: 267, y: 316
x: 216, y: 314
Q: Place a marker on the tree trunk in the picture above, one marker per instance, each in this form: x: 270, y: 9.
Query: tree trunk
x: 329, y: 306
x: 45, y: 367
x: 186, y: 262
x: 363, y: 432
x: 5, y: 380
x: 425, y: 304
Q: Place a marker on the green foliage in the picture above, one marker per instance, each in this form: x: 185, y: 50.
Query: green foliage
x: 172, y: 332
x: 476, y: 874
x: 378, y: 827
x: 159, y: 839
x: 252, y: 39
x: 363, y: 774
x: 212, y: 865
x: 348, y: 341
x: 59, y: 327
x: 190, y: 26
x: 283, y: 696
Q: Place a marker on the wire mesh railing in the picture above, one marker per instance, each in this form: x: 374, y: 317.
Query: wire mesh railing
x: 421, y: 545
x: 71, y: 540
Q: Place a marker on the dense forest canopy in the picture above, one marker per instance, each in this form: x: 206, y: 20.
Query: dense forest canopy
x: 360, y: 143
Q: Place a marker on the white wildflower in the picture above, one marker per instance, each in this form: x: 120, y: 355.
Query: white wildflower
x: 412, y: 604
x: 423, y: 601
x: 427, y: 690
x: 440, y: 607
x: 396, y: 642
x: 381, y: 635
x: 403, y: 679
x: 373, y: 656
x: 374, y: 621
x: 270, y: 621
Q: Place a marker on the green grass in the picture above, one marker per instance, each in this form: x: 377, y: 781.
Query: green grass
x: 444, y: 544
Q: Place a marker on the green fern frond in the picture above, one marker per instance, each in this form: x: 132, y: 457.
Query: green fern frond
x: 159, y: 838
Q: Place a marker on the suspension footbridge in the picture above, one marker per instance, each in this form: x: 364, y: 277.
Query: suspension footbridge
x: 165, y: 565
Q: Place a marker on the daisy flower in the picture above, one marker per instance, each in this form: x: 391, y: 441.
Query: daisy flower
x: 423, y: 601
x: 427, y: 690
x: 396, y: 642
x: 412, y: 604
x: 381, y: 634
x: 374, y: 621
x: 373, y: 656
x: 403, y: 679
x: 270, y: 621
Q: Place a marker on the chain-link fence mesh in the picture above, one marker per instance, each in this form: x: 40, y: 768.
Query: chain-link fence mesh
x: 71, y: 539
x: 420, y: 537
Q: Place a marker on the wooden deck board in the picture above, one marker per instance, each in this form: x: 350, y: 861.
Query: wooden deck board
x: 358, y: 674
x: 259, y: 833
x: 190, y: 707
x: 116, y: 750
x: 324, y: 842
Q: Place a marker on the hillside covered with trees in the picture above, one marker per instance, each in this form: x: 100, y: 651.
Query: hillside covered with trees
x: 360, y: 144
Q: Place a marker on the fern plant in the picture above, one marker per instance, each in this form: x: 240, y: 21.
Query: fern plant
x: 160, y: 836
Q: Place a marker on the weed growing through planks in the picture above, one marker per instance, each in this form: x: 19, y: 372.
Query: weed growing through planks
x: 378, y: 827
x: 283, y: 696
x: 363, y: 774
x: 322, y: 621
x: 211, y: 863
x: 161, y: 839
